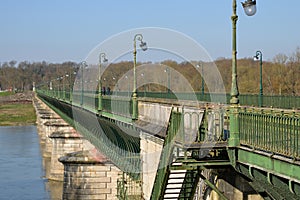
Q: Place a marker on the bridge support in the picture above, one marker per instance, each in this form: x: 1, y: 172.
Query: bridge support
x: 89, y: 175
x: 51, y: 127
x: 63, y: 142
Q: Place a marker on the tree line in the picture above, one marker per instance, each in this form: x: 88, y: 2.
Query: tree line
x: 280, y: 75
x: 21, y: 76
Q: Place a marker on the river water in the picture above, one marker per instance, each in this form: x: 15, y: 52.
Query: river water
x: 21, y: 170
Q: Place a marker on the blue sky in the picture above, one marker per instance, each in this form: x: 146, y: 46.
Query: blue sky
x: 67, y: 30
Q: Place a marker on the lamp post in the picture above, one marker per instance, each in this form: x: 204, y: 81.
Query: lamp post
x: 144, y: 85
x: 71, y: 86
x: 102, y: 57
x: 128, y: 89
x: 82, y: 66
x: 202, y: 79
x: 250, y: 9
x: 258, y: 56
x: 167, y: 70
x: 143, y: 46
x: 67, y: 85
x: 64, y: 87
x: 59, y: 88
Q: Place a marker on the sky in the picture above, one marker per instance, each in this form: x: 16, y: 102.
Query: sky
x: 67, y: 30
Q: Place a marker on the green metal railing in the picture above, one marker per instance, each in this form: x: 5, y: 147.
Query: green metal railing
x: 274, y: 101
x: 271, y: 101
x: 270, y: 130
x: 273, y: 131
x: 123, y: 148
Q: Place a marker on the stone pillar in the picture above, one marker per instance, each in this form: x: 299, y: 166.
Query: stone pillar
x: 63, y: 142
x: 50, y: 127
x: 41, y: 120
x: 89, y: 175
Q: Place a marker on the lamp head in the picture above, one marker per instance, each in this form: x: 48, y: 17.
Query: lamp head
x: 143, y: 46
x: 103, y: 57
x: 258, y: 55
x: 249, y: 7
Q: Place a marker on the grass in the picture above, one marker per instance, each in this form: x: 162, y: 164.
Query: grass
x: 17, y: 114
x: 6, y: 93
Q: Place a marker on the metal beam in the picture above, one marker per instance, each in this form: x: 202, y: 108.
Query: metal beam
x: 280, y: 167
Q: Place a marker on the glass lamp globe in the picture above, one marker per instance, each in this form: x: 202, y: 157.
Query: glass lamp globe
x: 249, y: 7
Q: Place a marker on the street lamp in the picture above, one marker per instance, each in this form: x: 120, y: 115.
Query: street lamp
x: 59, y: 87
x: 128, y: 89
x: 143, y: 46
x: 83, y: 65
x: 258, y: 56
x: 250, y: 9
x: 64, y: 87
x: 102, y: 57
x: 71, y: 86
x: 167, y: 70
x: 144, y: 80
x: 202, y: 78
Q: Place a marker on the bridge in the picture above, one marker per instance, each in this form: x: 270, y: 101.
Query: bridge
x: 195, y: 141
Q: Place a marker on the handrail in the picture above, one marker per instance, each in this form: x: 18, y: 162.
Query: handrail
x: 271, y: 101
x: 274, y: 131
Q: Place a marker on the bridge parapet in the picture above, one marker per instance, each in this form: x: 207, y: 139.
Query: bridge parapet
x: 270, y: 130
x: 261, y: 135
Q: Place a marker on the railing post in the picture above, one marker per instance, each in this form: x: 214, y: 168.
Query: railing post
x: 234, y: 138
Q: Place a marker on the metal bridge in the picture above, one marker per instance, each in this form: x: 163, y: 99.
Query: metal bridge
x: 260, y: 143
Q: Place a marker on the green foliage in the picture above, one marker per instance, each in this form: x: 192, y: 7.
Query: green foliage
x: 5, y: 93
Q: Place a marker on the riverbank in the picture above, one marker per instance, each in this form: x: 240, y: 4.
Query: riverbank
x: 16, y: 109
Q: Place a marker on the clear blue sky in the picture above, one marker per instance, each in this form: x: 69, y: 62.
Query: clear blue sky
x: 67, y: 30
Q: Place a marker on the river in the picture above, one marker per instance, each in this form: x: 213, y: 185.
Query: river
x: 21, y: 170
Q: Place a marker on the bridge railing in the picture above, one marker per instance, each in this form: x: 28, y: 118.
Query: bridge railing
x: 274, y: 101
x: 273, y: 131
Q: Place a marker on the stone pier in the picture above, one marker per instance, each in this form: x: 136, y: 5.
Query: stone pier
x: 63, y: 142
x: 51, y: 127
x: 89, y: 175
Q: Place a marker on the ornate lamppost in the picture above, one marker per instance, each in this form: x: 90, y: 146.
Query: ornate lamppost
x: 102, y: 57
x: 83, y: 65
x: 143, y: 46
x: 258, y: 56
x: 202, y: 79
x: 250, y: 9
x: 167, y: 70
